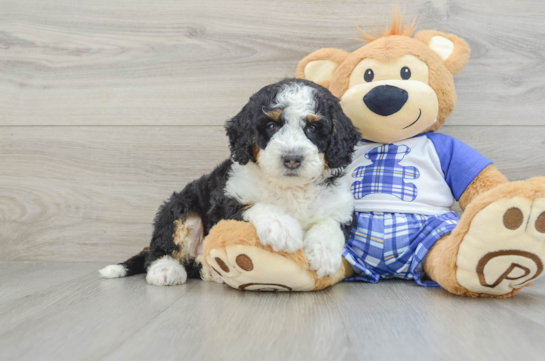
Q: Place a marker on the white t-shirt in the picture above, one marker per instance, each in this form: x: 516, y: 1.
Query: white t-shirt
x: 420, y: 175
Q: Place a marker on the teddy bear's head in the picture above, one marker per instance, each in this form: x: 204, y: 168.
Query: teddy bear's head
x: 396, y: 86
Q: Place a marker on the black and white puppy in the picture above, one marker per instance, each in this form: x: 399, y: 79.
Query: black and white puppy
x: 289, y: 146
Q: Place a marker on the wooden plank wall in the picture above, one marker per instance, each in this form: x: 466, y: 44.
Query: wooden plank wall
x: 107, y: 106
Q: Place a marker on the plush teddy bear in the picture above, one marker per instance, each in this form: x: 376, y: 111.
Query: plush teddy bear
x: 399, y: 90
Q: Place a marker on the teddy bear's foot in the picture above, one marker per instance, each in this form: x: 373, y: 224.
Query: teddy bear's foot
x: 233, y: 252
x: 504, y: 248
x: 253, y: 269
x: 501, y: 239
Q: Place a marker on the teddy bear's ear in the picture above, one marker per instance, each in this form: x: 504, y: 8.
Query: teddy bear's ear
x: 320, y: 65
x: 453, y: 50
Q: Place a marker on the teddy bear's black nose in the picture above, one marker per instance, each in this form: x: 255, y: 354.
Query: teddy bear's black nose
x: 385, y: 99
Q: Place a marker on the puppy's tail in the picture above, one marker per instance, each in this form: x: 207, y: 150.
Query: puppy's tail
x: 132, y: 266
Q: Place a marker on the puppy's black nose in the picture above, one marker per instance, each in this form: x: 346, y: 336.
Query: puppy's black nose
x: 385, y: 99
x: 292, y: 161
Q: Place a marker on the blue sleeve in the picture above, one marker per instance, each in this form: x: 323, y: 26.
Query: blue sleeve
x: 460, y: 163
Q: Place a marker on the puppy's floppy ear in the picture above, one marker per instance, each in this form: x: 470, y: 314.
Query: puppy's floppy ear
x: 241, y: 133
x: 344, y: 138
x: 453, y: 50
x: 320, y: 65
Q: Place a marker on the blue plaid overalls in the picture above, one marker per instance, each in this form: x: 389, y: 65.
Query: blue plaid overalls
x: 393, y: 245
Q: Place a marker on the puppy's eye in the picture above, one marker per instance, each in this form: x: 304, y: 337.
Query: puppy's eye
x: 369, y: 75
x: 405, y: 73
x: 272, y: 126
x: 312, y: 129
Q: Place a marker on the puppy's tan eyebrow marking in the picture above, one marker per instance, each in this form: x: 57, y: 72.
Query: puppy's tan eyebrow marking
x: 274, y: 114
x: 314, y: 117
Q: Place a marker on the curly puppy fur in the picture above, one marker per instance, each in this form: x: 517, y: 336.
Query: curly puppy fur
x: 289, y: 145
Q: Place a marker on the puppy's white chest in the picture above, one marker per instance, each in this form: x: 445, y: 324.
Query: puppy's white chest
x: 300, y: 202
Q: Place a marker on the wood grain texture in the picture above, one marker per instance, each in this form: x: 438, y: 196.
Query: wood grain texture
x: 106, y: 107
x: 195, y: 62
x: 438, y: 325
x: 71, y: 191
x: 20, y: 279
x: 89, y: 318
x: 90, y: 193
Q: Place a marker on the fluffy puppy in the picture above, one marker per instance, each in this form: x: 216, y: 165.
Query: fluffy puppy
x: 289, y: 146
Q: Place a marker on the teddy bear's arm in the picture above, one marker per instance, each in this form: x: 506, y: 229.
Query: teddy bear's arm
x: 490, y: 177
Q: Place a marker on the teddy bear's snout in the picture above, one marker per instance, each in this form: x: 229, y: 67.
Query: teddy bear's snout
x: 385, y: 99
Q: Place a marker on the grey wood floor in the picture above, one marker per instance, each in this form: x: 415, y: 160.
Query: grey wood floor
x: 64, y: 311
x: 107, y: 106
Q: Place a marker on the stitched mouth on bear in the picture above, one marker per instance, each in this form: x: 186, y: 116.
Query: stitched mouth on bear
x: 419, y: 114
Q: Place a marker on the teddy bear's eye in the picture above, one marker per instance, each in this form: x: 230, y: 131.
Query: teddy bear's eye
x: 368, y: 75
x: 405, y: 73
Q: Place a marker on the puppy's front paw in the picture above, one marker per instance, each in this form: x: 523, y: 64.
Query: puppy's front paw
x: 275, y: 228
x: 283, y: 233
x: 323, y: 247
x: 325, y: 260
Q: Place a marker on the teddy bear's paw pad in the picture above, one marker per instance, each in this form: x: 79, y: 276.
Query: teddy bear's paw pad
x: 504, y: 248
x: 250, y: 268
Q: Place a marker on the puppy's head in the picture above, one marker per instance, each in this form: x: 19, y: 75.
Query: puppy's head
x: 294, y: 130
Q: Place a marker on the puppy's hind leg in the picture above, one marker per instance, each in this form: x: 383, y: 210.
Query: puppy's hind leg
x: 132, y: 266
x: 166, y: 271
x: 176, y: 235
x: 167, y: 268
